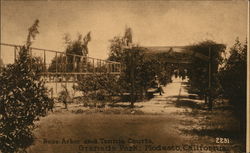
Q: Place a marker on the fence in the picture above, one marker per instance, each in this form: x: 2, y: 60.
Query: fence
x: 59, y: 67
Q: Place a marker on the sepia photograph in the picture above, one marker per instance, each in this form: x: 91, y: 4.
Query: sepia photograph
x: 124, y: 76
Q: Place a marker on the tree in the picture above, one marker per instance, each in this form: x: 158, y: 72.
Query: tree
x: 116, y: 49
x: 69, y: 62
x: 233, y: 78
x: 198, y: 71
x: 24, y: 99
x: 128, y: 36
x: 118, y: 45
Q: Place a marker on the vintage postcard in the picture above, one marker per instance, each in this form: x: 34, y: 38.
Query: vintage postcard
x: 119, y: 76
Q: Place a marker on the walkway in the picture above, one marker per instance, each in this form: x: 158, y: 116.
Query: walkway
x: 165, y: 104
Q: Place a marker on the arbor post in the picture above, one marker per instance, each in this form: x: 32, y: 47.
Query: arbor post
x: 132, y: 73
x: 210, y: 102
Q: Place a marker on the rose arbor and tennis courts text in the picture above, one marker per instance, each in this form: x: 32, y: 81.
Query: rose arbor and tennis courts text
x: 101, y: 145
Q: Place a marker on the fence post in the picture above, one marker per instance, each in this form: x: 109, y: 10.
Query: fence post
x: 66, y: 64
x: 56, y: 62
x: 44, y: 61
x: 15, y: 48
x: 56, y: 84
x: 107, y: 63
x: 73, y: 63
x: 30, y: 51
x: 93, y: 65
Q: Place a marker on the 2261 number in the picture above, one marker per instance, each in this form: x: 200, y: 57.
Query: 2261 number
x: 222, y: 140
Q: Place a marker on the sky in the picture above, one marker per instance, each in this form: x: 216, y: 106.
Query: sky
x: 154, y: 23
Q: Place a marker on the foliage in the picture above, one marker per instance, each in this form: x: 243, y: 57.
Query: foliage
x: 1, y: 64
x: 116, y: 49
x: 33, y: 31
x: 128, y: 36
x: 64, y: 96
x: 132, y: 75
x: 23, y: 100
x: 233, y: 77
x: 78, y: 46
x: 118, y: 45
x: 98, y: 86
x: 198, y: 70
x: 61, y: 64
x: 159, y: 66
x: 139, y: 69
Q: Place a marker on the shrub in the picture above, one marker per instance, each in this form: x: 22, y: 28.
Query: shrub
x: 98, y: 87
x: 233, y: 78
x: 64, y: 96
x: 23, y: 100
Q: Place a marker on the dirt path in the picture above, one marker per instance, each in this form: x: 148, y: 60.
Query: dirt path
x: 165, y: 103
x: 159, y: 129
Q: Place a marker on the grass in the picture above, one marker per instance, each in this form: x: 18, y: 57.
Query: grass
x: 189, y: 104
x: 222, y: 133
x: 209, y: 125
x: 157, y: 128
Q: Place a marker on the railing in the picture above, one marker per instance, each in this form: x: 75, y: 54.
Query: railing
x: 59, y: 65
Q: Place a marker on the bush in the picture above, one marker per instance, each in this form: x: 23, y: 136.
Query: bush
x: 234, y: 74
x: 23, y: 100
x: 98, y: 87
x: 64, y: 96
x: 233, y: 78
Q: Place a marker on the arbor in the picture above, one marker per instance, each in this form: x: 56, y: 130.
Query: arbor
x: 198, y: 71
x: 24, y: 99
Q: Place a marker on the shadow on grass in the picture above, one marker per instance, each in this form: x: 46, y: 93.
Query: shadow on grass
x: 189, y: 104
x: 109, y: 111
x: 170, y: 97
x: 213, y: 133
x: 223, y: 107
x: 122, y: 105
x: 191, y: 96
